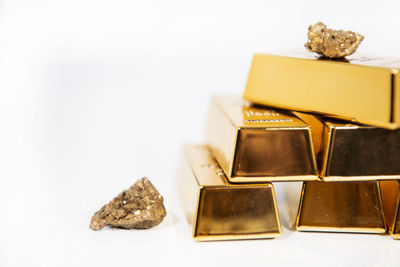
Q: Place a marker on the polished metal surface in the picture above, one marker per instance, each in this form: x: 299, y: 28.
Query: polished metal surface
x: 391, y: 205
x: 237, y: 211
x: 219, y: 210
x: 351, y: 207
x: 354, y: 152
x: 363, y: 89
x: 258, y: 144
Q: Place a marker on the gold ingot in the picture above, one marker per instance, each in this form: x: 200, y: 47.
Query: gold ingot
x: 347, y: 207
x: 219, y: 210
x: 360, y: 89
x: 351, y: 152
x: 391, y: 205
x: 256, y: 144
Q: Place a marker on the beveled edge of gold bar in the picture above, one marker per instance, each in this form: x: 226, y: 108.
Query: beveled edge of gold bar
x: 371, y: 61
x: 224, y: 155
x: 189, y: 153
x: 296, y: 225
x: 341, y: 229
x: 394, y: 232
x: 257, y: 179
x: 390, y: 191
x: 359, y: 178
x: 236, y: 237
x: 392, y: 123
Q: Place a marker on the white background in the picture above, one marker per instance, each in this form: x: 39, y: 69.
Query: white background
x: 96, y: 94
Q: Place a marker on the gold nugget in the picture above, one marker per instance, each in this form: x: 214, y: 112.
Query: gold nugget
x: 140, y: 207
x: 332, y: 43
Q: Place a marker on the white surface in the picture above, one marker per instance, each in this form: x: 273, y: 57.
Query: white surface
x: 95, y: 94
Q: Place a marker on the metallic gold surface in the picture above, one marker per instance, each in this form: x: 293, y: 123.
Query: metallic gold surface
x: 255, y: 144
x: 391, y: 205
x: 349, y: 207
x: 361, y: 89
x: 351, y: 152
x: 219, y: 210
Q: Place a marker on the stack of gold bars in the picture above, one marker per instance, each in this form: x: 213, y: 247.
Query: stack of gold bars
x: 332, y: 124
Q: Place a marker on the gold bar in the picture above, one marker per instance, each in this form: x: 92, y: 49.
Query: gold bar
x: 360, y: 89
x: 347, y: 207
x: 256, y: 144
x: 391, y: 205
x: 219, y: 210
x: 351, y: 152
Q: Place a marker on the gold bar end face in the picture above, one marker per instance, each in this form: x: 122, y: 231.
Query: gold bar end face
x: 346, y: 207
x: 353, y: 152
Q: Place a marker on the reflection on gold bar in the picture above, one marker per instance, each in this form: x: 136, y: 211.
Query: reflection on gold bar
x: 255, y: 144
x: 363, y: 89
x: 391, y: 205
x: 353, y: 152
x: 222, y: 211
x: 348, y: 207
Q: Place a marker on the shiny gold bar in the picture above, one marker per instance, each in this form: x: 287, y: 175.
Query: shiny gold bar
x: 352, y: 152
x: 219, y: 210
x: 256, y: 144
x: 391, y: 205
x: 347, y: 207
x: 359, y: 89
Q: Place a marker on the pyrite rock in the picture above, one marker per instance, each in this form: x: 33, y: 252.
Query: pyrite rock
x: 332, y: 43
x: 139, y: 207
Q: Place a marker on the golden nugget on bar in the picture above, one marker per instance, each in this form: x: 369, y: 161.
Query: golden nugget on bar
x: 257, y: 144
x: 355, y: 152
x: 219, y: 210
x: 347, y: 207
x: 360, y: 89
x: 332, y: 43
x: 391, y: 205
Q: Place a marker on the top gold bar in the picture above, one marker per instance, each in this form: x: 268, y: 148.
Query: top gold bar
x: 358, y: 89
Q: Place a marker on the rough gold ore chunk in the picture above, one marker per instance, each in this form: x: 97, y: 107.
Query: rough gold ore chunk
x: 331, y: 43
x: 139, y: 207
